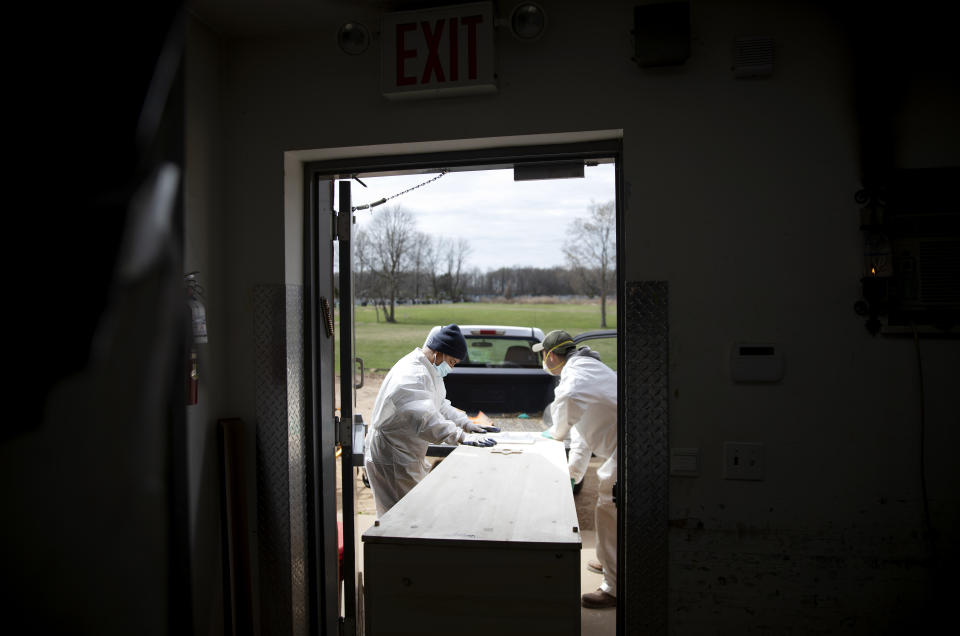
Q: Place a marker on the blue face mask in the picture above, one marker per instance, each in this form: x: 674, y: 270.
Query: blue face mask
x: 443, y: 368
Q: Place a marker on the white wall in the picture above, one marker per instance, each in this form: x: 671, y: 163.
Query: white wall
x: 740, y: 194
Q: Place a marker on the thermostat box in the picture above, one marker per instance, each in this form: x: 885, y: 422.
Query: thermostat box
x: 756, y: 362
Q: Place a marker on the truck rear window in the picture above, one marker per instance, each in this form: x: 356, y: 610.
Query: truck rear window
x: 500, y: 352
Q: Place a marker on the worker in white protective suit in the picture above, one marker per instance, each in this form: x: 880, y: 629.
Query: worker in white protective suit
x: 578, y: 452
x: 585, y: 409
x: 411, y: 412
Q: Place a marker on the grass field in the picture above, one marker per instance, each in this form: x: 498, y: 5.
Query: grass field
x: 381, y: 344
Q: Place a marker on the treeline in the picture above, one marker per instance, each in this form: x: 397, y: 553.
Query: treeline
x: 395, y: 263
x: 433, y: 287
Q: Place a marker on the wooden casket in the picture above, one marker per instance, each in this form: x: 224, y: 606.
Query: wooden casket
x: 487, y: 544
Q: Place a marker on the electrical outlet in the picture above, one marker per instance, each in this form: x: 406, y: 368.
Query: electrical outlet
x: 742, y: 460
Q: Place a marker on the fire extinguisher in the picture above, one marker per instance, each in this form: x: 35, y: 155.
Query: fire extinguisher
x: 199, y: 328
x: 193, y: 377
x: 197, y: 310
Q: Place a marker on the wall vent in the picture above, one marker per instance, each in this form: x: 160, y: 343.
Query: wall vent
x: 753, y: 56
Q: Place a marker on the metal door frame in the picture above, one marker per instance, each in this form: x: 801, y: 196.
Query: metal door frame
x: 642, y: 535
x: 322, y: 576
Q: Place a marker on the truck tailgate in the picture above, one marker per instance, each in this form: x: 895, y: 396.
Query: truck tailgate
x: 499, y: 390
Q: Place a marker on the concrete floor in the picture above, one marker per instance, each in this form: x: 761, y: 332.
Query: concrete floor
x: 593, y: 622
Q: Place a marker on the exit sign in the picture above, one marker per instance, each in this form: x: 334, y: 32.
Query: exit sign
x: 437, y: 52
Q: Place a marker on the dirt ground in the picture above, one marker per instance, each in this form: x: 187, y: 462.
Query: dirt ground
x: 585, y: 500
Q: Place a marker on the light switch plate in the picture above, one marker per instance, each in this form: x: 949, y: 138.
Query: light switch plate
x: 743, y: 460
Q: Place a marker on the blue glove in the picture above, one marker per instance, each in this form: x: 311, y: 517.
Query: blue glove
x: 472, y: 439
x: 546, y: 434
x: 473, y: 427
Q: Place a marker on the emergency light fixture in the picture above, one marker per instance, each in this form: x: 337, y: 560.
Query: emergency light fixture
x: 353, y: 38
x: 528, y: 21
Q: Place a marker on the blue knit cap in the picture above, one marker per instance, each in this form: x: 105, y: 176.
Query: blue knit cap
x: 450, y: 341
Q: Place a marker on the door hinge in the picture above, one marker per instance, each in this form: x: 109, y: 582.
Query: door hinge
x: 341, y: 224
x: 344, y: 435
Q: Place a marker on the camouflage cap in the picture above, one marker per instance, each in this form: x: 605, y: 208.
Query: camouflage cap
x: 557, y: 340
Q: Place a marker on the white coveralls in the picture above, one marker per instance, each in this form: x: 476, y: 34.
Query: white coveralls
x: 578, y: 453
x: 410, y: 413
x: 585, y: 407
x: 579, y: 458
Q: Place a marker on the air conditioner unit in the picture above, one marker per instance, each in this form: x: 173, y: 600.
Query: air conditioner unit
x: 912, y: 277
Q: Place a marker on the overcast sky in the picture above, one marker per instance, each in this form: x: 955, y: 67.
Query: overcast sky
x: 507, y: 222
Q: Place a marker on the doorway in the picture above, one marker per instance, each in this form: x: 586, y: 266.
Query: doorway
x: 319, y: 177
x: 518, y: 249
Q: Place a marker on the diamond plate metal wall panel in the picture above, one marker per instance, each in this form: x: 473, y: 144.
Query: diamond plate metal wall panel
x: 296, y: 459
x: 281, y: 518
x: 273, y: 479
x: 645, y: 472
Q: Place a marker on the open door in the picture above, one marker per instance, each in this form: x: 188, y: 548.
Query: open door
x: 323, y: 571
x: 333, y: 581
x: 350, y: 426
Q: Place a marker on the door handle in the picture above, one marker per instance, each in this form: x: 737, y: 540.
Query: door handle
x: 359, y: 386
x: 359, y: 436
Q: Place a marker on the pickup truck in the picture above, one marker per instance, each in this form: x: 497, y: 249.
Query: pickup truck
x: 501, y: 373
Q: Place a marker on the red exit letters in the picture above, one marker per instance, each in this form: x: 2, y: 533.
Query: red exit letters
x: 437, y: 61
x: 444, y: 51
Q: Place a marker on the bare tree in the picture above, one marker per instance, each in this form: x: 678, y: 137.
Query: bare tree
x: 392, y: 235
x: 419, y: 260
x: 361, y: 258
x: 367, y: 283
x: 474, y: 280
x: 456, y: 256
x: 431, y: 259
x: 591, y: 252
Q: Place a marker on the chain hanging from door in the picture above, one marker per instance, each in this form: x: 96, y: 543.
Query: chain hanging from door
x: 385, y: 199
